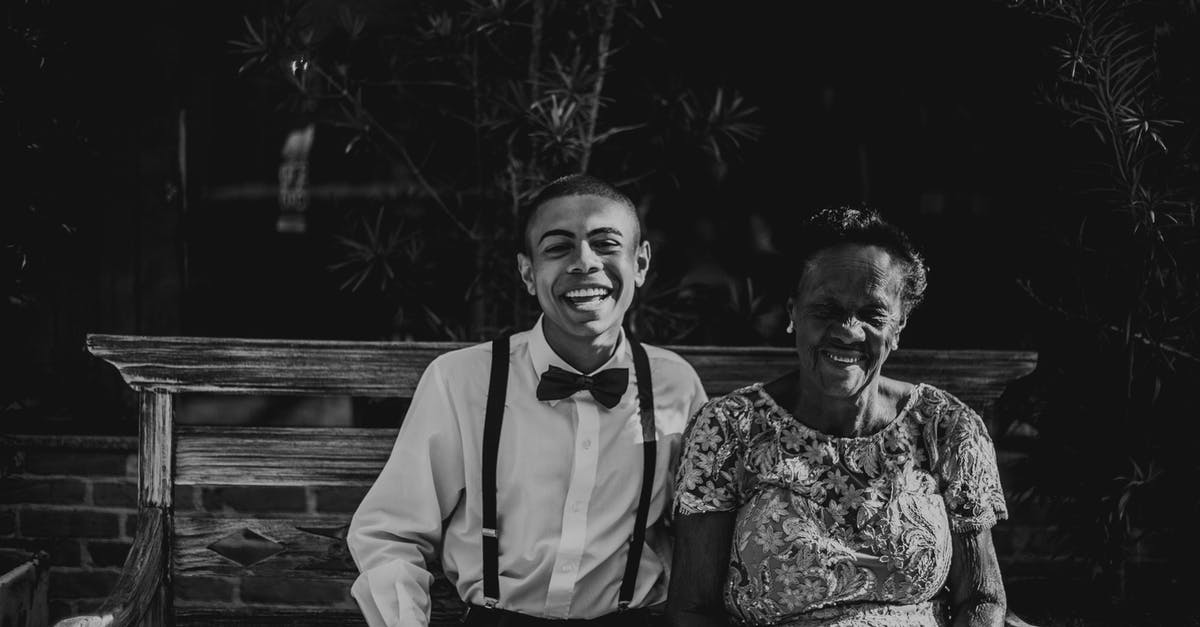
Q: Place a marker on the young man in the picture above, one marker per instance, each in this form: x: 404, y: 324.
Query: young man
x: 524, y: 461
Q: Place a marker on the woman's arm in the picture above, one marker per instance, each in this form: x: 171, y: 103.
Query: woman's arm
x: 696, y: 596
x: 976, y: 589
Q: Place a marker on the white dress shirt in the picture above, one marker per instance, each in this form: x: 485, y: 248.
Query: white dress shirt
x: 568, y: 476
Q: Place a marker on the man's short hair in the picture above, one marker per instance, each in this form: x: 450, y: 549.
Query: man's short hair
x: 572, y: 185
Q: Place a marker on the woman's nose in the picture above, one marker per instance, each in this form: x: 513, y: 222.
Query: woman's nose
x: 850, y: 329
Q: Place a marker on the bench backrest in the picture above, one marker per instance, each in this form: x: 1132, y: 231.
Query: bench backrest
x: 187, y: 471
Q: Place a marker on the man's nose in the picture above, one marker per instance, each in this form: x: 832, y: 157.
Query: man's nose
x: 585, y: 259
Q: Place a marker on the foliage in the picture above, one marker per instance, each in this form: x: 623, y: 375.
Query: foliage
x: 470, y: 107
x: 1124, y: 345
x: 42, y: 141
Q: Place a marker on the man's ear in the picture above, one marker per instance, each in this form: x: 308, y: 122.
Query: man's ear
x: 525, y: 269
x: 642, y: 261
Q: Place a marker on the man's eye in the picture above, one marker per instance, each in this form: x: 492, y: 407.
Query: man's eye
x: 606, y: 244
x: 554, y: 249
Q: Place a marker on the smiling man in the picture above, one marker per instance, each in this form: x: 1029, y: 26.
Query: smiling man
x: 538, y: 467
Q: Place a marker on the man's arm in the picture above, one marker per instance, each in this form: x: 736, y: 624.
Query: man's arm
x: 398, y: 526
x: 976, y: 589
x: 701, y: 560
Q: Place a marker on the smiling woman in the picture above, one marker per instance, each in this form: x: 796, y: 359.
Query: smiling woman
x: 834, y: 495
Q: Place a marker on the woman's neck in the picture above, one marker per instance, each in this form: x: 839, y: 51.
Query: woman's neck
x: 864, y: 413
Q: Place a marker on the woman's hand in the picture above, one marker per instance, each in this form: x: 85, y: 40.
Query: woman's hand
x: 701, y: 560
x: 976, y: 589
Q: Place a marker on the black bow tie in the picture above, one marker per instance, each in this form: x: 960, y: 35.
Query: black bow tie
x: 606, y: 386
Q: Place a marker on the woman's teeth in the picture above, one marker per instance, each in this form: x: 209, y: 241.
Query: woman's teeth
x: 841, y: 359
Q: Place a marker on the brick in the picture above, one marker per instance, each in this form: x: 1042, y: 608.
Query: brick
x: 204, y: 589
x: 254, y: 499
x: 114, y: 494
x: 291, y: 590
x: 81, y: 584
x: 11, y: 558
x: 108, y: 552
x: 68, y: 523
x: 93, y: 464
x: 62, y: 551
x: 39, y: 490
x: 340, y: 500
x: 8, y: 522
x: 59, y: 609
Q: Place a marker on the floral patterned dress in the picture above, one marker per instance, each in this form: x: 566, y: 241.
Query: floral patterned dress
x: 834, y: 531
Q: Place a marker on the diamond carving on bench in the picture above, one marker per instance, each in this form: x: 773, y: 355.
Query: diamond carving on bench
x: 337, y: 533
x: 245, y: 547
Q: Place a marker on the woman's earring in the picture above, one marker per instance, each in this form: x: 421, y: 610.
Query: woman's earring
x: 791, y: 327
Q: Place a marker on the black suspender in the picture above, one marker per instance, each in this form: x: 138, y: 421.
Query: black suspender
x: 641, y: 369
x: 497, y: 387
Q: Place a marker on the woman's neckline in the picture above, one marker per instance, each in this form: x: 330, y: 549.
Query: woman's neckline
x: 913, y: 396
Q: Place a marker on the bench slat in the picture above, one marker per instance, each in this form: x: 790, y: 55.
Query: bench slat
x: 280, y: 455
x: 301, y: 553
x: 392, y: 369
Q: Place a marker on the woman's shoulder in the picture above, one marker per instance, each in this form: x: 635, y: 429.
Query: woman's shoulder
x: 733, y: 408
x: 934, y: 402
x: 946, y: 419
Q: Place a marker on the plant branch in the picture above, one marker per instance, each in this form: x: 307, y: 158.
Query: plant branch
x: 1126, y: 333
x: 400, y: 148
x: 603, y: 45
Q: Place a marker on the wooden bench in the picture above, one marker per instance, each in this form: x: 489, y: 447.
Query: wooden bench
x: 176, y: 546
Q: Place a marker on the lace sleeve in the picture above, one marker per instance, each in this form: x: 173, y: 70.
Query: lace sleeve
x: 970, y: 480
x: 707, y: 477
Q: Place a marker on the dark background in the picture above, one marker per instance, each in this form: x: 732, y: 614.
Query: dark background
x: 140, y: 196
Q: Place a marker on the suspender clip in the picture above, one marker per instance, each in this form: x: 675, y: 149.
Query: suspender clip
x: 491, y: 533
x: 623, y: 606
x: 490, y: 603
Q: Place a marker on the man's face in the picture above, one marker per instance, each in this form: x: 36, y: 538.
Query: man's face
x: 848, y: 316
x: 586, y: 258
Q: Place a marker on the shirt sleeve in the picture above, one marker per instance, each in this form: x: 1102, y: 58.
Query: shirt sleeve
x: 712, y: 451
x: 970, y: 480
x: 398, y: 525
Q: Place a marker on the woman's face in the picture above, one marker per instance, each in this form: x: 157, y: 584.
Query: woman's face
x: 848, y: 316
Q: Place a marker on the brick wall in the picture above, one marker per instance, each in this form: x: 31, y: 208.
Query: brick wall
x: 76, y: 499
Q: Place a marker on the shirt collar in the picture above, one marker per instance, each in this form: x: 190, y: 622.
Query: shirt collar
x: 542, y: 356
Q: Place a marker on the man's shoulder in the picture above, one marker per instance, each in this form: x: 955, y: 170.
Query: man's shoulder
x: 667, y: 361
x: 476, y: 354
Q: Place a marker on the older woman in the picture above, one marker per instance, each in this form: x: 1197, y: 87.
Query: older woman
x: 835, y: 496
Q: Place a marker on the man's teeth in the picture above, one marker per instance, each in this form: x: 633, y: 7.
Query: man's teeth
x: 590, y: 292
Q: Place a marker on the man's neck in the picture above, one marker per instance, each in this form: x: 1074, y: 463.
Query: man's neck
x: 583, y: 354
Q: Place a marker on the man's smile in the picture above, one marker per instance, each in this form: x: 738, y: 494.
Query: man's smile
x: 587, y: 297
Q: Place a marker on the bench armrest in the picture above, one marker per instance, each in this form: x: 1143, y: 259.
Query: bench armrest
x: 141, y: 580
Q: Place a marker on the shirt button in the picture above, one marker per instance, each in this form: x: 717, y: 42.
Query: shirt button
x: 587, y: 444
x: 566, y: 567
x: 577, y: 507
